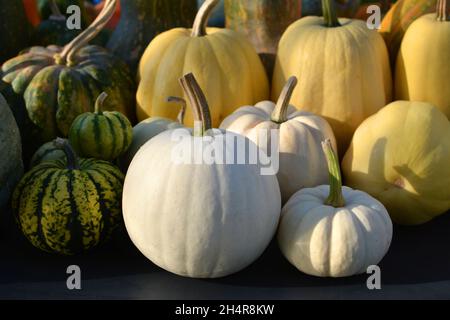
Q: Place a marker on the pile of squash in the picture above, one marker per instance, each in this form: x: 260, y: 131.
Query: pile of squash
x: 335, y: 95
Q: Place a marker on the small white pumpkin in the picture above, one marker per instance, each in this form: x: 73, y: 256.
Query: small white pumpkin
x: 337, y: 236
x: 150, y: 128
x: 302, y: 163
x: 198, y: 220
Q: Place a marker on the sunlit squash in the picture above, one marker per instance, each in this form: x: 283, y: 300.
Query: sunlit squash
x: 223, y: 61
x: 401, y: 156
x: 342, y: 67
x: 423, y: 65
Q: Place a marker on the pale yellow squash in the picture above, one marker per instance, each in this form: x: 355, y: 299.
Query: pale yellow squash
x: 225, y: 64
x: 423, y: 63
x: 342, y: 67
x: 401, y: 156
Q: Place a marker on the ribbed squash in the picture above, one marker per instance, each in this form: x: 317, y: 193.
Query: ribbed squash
x: 399, y: 18
x: 49, y: 151
x: 69, y: 206
x: 224, y: 62
x: 342, y: 67
x: 423, y: 65
x: 101, y: 135
x: 141, y: 20
x: 401, y: 156
x: 11, y: 166
x: 58, y: 83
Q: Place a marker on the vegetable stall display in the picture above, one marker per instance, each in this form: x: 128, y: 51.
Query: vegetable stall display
x: 202, y: 220
x: 399, y: 18
x: 141, y: 20
x: 342, y: 67
x: 224, y: 62
x: 334, y: 231
x: 150, y: 128
x: 423, y: 66
x: 59, y: 83
x: 69, y: 206
x: 104, y: 135
x: 302, y: 163
x: 15, y: 32
x: 11, y: 166
x: 262, y: 22
x: 401, y: 156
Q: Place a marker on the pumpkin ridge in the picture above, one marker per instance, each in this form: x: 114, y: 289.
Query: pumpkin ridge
x: 76, y: 239
x: 115, y: 145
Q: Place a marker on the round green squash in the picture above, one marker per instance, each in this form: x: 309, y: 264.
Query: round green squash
x: 15, y: 31
x: 69, y: 206
x: 141, y: 20
x: 49, y: 151
x: 101, y: 135
x: 60, y: 83
x: 11, y: 166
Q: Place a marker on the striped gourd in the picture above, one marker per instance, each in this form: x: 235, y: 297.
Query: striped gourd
x: 69, y: 206
x: 101, y: 135
x: 47, y: 152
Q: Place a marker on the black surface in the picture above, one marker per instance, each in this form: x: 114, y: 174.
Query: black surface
x: 416, y: 266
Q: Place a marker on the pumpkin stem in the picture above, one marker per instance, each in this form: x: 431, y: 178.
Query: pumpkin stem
x: 199, y: 104
x: 335, y: 199
x: 182, y: 113
x: 279, y: 114
x: 202, y: 17
x: 329, y: 14
x: 72, y: 159
x: 441, y: 10
x: 67, y: 56
x: 99, y: 103
x: 56, y: 13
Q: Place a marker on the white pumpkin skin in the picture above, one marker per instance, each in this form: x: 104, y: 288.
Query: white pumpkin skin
x: 325, y: 241
x: 198, y: 220
x: 302, y: 162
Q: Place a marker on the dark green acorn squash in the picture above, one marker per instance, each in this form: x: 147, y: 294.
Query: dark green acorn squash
x: 59, y: 83
x: 15, y: 31
x: 142, y: 20
x: 69, y: 206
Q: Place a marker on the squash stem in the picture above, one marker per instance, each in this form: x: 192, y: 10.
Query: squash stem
x: 279, y: 114
x: 441, y: 11
x: 202, y: 17
x: 199, y: 104
x: 329, y: 14
x: 67, y: 56
x: 99, y: 103
x: 182, y: 113
x: 335, y: 198
x: 72, y: 159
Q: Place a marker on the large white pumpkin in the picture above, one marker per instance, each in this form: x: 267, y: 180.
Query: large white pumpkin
x: 198, y: 220
x: 337, y: 236
x: 302, y: 163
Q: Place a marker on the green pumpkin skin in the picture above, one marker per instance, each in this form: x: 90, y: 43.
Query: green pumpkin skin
x: 101, y: 135
x: 68, y: 209
x: 47, y: 152
x: 58, y: 85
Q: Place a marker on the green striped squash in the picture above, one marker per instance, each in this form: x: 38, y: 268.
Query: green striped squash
x: 69, y: 206
x: 101, y: 135
x: 47, y: 152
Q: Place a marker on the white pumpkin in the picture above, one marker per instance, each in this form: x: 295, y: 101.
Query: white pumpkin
x: 150, y: 128
x: 198, y: 220
x: 336, y: 236
x: 302, y: 163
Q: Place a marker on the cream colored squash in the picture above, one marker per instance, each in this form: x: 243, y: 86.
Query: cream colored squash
x: 334, y: 231
x: 342, y: 67
x: 401, y: 156
x: 301, y: 160
x: 224, y: 62
x: 150, y: 128
x: 423, y: 64
x: 198, y: 220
